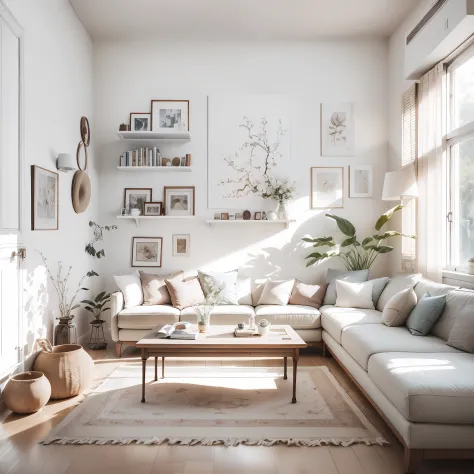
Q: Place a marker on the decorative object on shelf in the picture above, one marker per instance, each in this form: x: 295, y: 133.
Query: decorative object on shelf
x: 272, y: 216
x: 140, y: 122
x: 238, y: 216
x: 327, y: 187
x: 68, y: 368
x: 179, y: 200
x: 135, y: 212
x: 170, y: 115
x: 153, y: 208
x: 65, y: 332
x: 263, y: 327
x: 224, y: 216
x: 124, y: 127
x: 281, y: 192
x: 165, y: 161
x: 188, y: 159
x: 217, y: 216
x: 231, y: 216
x: 27, y: 392
x: 65, y: 163
x: 249, y: 142
x: 354, y: 254
x: 135, y: 198
x: 176, y: 161
x: 361, y: 181
x: 181, y: 244
x: 81, y: 191
x: 337, y: 129
x: 264, y: 216
x: 470, y: 266
x: 98, y: 237
x: 240, y: 326
x: 44, y: 199
x: 247, y: 215
x: 147, y: 251
x: 60, y: 283
x: 96, y: 308
x: 258, y: 216
x: 211, y: 300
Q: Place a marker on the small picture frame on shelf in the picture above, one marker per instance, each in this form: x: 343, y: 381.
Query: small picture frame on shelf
x: 123, y: 211
x: 153, y: 208
x: 217, y: 216
x: 170, y: 115
x: 264, y: 216
x: 179, y: 200
x: 224, y: 216
x: 258, y: 216
x: 181, y: 244
x: 183, y: 161
x: 238, y: 216
x: 140, y: 122
x: 231, y: 217
x: 147, y: 251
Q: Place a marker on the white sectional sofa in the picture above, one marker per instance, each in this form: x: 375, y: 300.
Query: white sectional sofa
x: 422, y: 387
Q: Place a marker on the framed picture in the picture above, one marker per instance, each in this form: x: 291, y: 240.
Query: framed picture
x: 258, y: 216
x: 147, y: 251
x: 170, y: 115
x: 152, y: 208
x: 179, y: 200
x: 327, y: 188
x: 181, y: 245
x: 135, y: 198
x: 337, y: 129
x: 361, y: 180
x: 44, y: 199
x: 217, y: 216
x: 140, y: 122
x: 224, y: 216
x: 238, y: 216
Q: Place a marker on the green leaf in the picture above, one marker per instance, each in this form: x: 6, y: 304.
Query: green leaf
x: 90, y: 309
x: 325, y: 244
x: 76, y: 306
x: 318, y: 240
x: 311, y: 262
x: 367, y: 240
x: 344, y: 225
x: 91, y: 223
x: 89, y: 302
x: 348, y: 242
x: 314, y: 255
x: 383, y: 249
x: 99, y: 297
x: 384, y: 218
x: 106, y: 309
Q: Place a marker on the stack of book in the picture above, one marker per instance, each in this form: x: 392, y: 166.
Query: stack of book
x: 151, y: 157
x: 180, y: 330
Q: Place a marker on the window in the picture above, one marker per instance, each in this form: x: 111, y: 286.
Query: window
x: 460, y: 152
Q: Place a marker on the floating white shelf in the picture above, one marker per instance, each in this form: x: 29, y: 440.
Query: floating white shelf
x: 154, y: 135
x: 285, y: 222
x: 165, y: 169
x: 137, y: 219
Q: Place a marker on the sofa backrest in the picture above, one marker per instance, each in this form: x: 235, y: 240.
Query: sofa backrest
x: 433, y: 288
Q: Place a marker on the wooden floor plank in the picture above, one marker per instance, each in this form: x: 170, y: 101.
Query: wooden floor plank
x: 346, y: 460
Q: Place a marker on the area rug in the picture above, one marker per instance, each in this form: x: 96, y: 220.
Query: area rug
x: 214, y: 405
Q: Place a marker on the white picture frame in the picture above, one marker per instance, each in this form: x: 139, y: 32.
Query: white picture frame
x: 170, y: 116
x: 140, y: 122
x: 181, y: 245
x: 327, y: 187
x: 44, y: 199
x: 361, y: 181
x: 179, y: 201
x: 147, y: 251
x: 337, y: 129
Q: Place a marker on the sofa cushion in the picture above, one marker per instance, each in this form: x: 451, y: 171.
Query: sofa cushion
x: 131, y: 287
x: 425, y: 314
x: 225, y: 282
x: 395, y: 285
x: 154, y: 287
x: 335, y: 320
x: 362, y: 342
x: 378, y: 285
x: 276, y: 292
x: 398, y: 308
x: 428, y: 388
x: 298, y: 317
x: 243, y: 289
x: 308, y: 295
x: 221, y: 314
x: 333, y: 275
x: 185, y: 293
x: 354, y: 295
x: 456, y: 301
x: 433, y: 288
x: 147, y: 317
x: 462, y: 335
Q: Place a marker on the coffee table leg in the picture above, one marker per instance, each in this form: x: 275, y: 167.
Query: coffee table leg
x: 296, y: 356
x: 285, y: 375
x: 162, y: 367
x: 144, y: 358
x: 156, y: 369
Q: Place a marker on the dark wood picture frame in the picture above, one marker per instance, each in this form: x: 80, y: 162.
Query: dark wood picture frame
x: 161, y: 252
x: 169, y: 100
x: 259, y: 214
x: 166, y: 188
x: 135, y: 189
x: 140, y: 113
x: 34, y: 168
x: 155, y: 203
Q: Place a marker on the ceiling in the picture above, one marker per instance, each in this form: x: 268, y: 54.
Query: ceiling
x: 240, y: 19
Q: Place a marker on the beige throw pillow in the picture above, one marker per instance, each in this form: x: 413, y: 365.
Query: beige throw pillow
x: 398, y: 308
x: 185, y: 293
x: 308, y: 295
x: 462, y: 335
x: 354, y: 295
x: 276, y: 292
x: 154, y: 287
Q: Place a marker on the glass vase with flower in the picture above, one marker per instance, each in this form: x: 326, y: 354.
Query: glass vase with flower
x: 212, y: 298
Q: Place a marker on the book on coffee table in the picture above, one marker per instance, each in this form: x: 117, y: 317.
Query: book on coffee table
x: 176, y: 331
x: 246, y: 332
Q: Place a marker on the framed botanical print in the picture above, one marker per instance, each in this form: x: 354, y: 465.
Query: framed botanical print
x: 179, y: 200
x: 44, y: 199
x: 361, y: 181
x: 327, y: 187
x: 140, y: 122
x: 153, y: 209
x: 337, y: 129
x: 170, y: 115
x: 147, y: 251
x: 181, y: 245
x: 135, y: 198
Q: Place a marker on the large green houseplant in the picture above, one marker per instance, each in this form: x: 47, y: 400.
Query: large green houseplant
x: 354, y: 254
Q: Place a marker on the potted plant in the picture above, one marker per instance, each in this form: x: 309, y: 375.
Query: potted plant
x: 470, y: 266
x: 96, y: 308
x: 263, y: 327
x: 204, y: 310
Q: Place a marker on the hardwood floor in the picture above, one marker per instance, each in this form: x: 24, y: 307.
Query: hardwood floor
x: 20, y: 452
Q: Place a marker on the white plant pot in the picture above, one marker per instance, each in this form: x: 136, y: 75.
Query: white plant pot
x: 264, y: 330
x: 470, y: 268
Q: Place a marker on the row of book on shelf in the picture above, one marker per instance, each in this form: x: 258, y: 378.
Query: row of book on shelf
x: 151, y: 157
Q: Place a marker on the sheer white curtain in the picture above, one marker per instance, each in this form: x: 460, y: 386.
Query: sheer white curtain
x: 431, y: 163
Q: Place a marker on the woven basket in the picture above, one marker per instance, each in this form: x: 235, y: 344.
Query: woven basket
x: 68, y: 368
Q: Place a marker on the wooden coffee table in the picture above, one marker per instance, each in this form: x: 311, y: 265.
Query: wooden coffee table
x: 282, y: 341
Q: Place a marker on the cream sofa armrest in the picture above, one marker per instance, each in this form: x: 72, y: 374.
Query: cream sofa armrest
x: 116, y: 305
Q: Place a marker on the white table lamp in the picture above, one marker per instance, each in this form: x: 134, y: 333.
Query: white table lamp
x: 400, y: 185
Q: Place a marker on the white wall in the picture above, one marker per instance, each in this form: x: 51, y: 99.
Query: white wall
x: 58, y: 91
x: 129, y: 75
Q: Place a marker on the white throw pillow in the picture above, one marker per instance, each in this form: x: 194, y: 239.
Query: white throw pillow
x: 243, y: 289
x: 398, y: 308
x: 226, y: 282
x: 131, y: 287
x: 277, y: 292
x: 354, y: 295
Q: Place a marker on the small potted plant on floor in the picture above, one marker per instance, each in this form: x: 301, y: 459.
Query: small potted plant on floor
x: 470, y: 266
x: 97, y: 340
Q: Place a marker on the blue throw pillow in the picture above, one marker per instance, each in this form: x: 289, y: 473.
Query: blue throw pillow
x: 425, y: 314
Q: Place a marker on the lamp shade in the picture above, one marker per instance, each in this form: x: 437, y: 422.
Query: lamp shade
x: 400, y: 185
x: 66, y: 162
